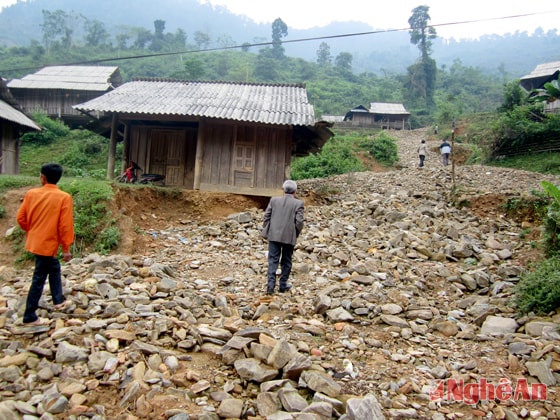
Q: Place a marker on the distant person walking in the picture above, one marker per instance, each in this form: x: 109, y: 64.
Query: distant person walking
x: 436, y: 129
x: 283, y: 222
x: 445, y: 149
x: 422, y: 152
x: 46, y: 215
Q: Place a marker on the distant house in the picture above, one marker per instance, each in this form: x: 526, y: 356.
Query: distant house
x: 212, y: 136
x: 332, y: 118
x: 12, y: 122
x: 542, y: 74
x: 379, y: 115
x: 55, y: 90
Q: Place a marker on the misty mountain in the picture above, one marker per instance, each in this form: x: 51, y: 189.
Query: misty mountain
x: 510, y: 56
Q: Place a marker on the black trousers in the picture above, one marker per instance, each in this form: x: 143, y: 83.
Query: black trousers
x: 44, y: 267
x: 279, y: 252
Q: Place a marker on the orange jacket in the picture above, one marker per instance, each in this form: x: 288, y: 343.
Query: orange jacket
x: 46, y: 214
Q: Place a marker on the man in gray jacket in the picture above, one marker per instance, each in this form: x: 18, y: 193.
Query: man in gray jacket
x: 283, y: 222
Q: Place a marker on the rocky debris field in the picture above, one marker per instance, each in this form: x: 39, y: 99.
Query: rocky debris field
x: 401, y: 307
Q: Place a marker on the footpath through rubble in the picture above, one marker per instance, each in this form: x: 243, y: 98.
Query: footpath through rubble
x: 401, y: 307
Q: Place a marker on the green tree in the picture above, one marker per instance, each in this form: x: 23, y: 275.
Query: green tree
x: 422, y: 76
x: 180, y: 40
x: 514, y: 96
x: 202, y: 40
x: 266, y: 67
x: 96, y: 34
x: 194, y: 67
x: 143, y: 38
x: 343, y: 64
x: 324, y: 57
x: 158, y: 38
x: 122, y: 41
x: 58, y: 27
x: 279, y: 31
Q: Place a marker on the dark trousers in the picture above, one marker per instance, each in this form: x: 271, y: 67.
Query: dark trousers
x: 422, y: 157
x: 279, y: 252
x: 44, y: 266
x: 446, y: 159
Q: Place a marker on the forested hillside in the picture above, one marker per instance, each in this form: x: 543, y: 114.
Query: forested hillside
x: 192, y: 41
x: 126, y: 23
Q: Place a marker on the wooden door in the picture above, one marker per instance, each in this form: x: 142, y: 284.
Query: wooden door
x: 167, y: 155
x: 175, y: 169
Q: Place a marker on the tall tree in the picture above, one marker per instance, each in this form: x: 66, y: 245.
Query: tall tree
x: 279, y: 31
x: 201, y: 39
x: 58, y: 27
x: 158, y: 38
x: 423, y: 74
x: 324, y: 57
x: 96, y: 34
x: 343, y: 64
x: 421, y: 34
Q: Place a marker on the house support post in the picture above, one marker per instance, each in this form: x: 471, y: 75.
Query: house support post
x: 112, y: 148
x: 126, y: 149
x: 198, y: 159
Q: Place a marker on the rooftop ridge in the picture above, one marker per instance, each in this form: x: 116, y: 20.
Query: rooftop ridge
x: 224, y: 82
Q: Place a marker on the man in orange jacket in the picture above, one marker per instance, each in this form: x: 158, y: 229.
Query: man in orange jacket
x: 46, y: 215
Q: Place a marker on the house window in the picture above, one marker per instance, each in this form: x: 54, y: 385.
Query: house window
x: 244, y: 157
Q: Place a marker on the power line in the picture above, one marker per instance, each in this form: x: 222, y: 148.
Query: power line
x: 261, y: 44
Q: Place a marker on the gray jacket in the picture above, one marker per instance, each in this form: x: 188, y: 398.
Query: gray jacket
x: 283, y: 219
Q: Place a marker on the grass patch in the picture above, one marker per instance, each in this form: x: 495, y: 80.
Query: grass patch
x: 13, y: 182
x: 544, y: 163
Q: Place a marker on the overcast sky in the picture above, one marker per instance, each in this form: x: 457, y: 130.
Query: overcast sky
x: 394, y: 14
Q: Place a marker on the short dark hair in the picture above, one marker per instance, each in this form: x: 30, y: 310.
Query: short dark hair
x: 52, y: 172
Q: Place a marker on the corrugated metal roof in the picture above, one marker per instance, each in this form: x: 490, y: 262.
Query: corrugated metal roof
x: 387, y: 108
x: 10, y: 109
x: 262, y: 103
x: 92, y: 78
x: 7, y: 112
x: 332, y: 118
x: 545, y: 69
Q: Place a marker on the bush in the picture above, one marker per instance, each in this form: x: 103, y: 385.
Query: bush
x: 108, y: 240
x: 51, y: 131
x: 91, y: 217
x: 335, y: 158
x: 383, y: 148
x: 538, y: 291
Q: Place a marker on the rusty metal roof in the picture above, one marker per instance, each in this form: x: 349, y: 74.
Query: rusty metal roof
x: 90, y: 78
x: 387, y: 108
x: 250, y: 102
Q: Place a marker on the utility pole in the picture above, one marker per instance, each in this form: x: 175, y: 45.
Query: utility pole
x: 453, y: 153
